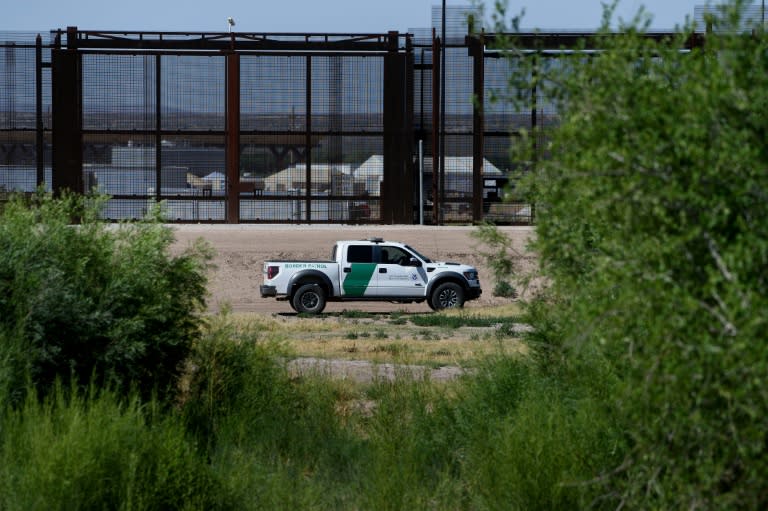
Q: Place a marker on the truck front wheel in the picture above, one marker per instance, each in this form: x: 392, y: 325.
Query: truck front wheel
x: 447, y: 296
x: 309, y: 298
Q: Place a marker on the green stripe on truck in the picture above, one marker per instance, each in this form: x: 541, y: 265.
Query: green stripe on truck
x: 356, y: 281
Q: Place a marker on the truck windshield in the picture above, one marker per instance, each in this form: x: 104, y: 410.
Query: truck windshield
x: 422, y: 257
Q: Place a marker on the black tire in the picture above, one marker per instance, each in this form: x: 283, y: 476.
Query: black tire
x: 447, y: 296
x: 309, y: 298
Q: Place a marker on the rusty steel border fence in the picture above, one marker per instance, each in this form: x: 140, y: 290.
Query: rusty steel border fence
x: 270, y: 128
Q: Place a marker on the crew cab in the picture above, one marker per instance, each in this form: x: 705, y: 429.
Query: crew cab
x: 372, y: 270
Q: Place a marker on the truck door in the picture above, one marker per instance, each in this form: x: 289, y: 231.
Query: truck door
x: 396, y: 275
x: 358, y: 271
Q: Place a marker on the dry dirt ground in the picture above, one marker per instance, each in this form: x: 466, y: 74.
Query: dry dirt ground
x: 242, y: 249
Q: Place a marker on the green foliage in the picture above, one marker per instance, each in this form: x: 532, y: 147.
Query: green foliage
x: 498, y: 257
x: 239, y: 394
x: 543, y: 438
x: 412, y: 457
x: 508, y: 437
x: 276, y: 440
x: 504, y: 289
x: 247, y: 434
x: 92, y: 300
x: 353, y: 313
x: 97, y: 452
x: 651, y: 209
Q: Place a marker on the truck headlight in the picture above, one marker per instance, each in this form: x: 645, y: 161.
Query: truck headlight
x: 470, y: 275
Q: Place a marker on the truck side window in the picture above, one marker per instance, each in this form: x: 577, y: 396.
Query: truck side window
x: 360, y: 254
x: 394, y: 255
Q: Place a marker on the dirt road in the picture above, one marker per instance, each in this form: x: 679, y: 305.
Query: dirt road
x: 242, y: 249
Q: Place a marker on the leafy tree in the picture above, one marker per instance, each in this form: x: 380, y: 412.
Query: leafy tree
x: 651, y: 227
x: 93, y: 300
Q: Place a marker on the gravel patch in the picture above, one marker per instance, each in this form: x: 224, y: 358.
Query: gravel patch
x: 362, y: 371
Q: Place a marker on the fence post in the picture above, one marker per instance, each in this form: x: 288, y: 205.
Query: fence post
x: 39, y: 138
x: 66, y: 101
x: 397, y: 185
x: 437, y: 199
x: 232, y: 157
x: 476, y: 50
x: 308, y: 143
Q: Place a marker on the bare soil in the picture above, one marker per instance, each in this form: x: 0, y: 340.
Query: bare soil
x: 242, y: 249
x: 236, y: 275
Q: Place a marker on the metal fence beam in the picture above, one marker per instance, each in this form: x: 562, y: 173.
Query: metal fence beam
x: 232, y: 156
x: 437, y: 198
x: 39, y: 138
x: 478, y: 126
x: 397, y: 185
x: 67, y: 122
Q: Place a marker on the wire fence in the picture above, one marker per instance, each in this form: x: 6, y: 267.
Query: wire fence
x: 273, y: 128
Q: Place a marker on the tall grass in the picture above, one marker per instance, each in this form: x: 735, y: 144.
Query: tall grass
x: 75, y: 451
x: 543, y: 446
x: 277, y: 441
x: 507, y: 437
x: 245, y: 434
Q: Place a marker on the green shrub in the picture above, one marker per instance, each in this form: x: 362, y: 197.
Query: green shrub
x: 93, y: 300
x: 504, y: 289
x: 499, y: 257
x: 650, y: 208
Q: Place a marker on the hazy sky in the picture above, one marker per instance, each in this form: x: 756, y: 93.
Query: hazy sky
x: 347, y: 16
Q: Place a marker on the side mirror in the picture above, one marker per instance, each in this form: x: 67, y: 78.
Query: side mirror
x: 414, y: 262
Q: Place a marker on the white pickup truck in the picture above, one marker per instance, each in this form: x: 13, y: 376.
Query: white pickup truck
x: 374, y: 270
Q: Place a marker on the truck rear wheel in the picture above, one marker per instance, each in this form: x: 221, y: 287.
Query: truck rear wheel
x: 447, y: 296
x: 309, y: 298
